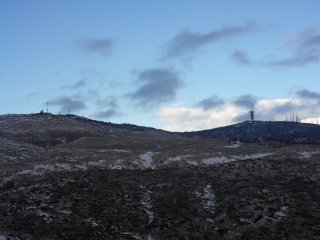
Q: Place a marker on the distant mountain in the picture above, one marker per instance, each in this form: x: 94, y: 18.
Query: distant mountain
x: 285, y: 131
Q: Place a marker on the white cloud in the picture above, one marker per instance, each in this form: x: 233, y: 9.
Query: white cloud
x: 315, y: 120
x: 191, y: 119
x: 178, y: 118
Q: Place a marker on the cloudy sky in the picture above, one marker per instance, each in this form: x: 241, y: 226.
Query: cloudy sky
x: 176, y: 65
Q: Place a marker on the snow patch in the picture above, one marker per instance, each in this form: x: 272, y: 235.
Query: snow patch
x: 147, y: 203
x: 114, y: 150
x: 308, y: 154
x: 281, y: 213
x: 146, y: 160
x: 137, y: 236
x: 253, y: 156
x: 216, y: 160
x: 56, y: 167
x: 81, y: 167
x: 192, y: 162
x: 117, y: 165
x: 234, y: 145
x: 46, y: 216
x: 207, y: 197
x: 96, y: 163
x: 175, y: 159
x: 92, y: 221
x: 66, y: 212
x: 4, y: 180
x: 223, y: 159
x: 2, y: 237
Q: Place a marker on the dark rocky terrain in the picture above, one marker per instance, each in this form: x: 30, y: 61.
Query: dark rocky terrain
x: 66, y: 177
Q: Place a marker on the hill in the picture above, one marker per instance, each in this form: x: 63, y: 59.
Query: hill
x: 280, y: 131
x: 69, y: 177
x: 48, y: 130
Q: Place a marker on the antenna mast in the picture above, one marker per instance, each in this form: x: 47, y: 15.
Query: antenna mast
x: 251, y: 114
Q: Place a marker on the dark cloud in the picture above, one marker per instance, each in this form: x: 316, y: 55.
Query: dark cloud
x: 304, y: 93
x: 187, y: 41
x: 313, y: 41
x: 299, y: 60
x: 92, y: 94
x: 34, y: 94
x: 211, y: 102
x: 111, y: 106
x: 296, y: 61
x: 158, y: 85
x: 241, y: 57
x: 79, y: 84
x: 67, y: 104
x: 107, y: 113
x: 290, y: 109
x: 245, y: 100
x: 285, y: 108
x: 305, y: 51
x: 108, y: 101
x: 101, y: 46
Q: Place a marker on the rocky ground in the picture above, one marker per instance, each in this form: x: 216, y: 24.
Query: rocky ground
x: 118, y: 186
x: 184, y: 189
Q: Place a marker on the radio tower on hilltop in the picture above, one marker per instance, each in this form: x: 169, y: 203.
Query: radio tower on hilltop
x: 251, y: 114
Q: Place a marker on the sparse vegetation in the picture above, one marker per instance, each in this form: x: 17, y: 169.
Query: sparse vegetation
x: 88, y: 180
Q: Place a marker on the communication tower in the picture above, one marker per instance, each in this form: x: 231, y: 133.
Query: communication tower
x: 251, y: 114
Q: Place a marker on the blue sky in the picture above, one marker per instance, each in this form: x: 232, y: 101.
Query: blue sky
x: 177, y: 65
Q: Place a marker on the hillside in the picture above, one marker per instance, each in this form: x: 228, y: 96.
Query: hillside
x: 280, y: 131
x: 48, y: 130
x: 68, y: 177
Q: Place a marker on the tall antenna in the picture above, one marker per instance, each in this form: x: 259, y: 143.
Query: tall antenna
x: 251, y: 114
x: 47, y: 106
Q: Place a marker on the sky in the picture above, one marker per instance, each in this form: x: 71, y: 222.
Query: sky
x: 176, y: 65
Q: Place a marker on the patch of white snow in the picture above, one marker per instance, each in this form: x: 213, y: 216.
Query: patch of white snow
x: 234, y: 145
x: 117, y: 165
x: 253, y: 156
x: 216, y: 160
x: 192, y: 162
x: 114, y: 150
x: 308, y: 154
x: 147, y: 203
x: 2, y: 237
x: 281, y: 213
x: 46, y: 216
x: 223, y: 159
x: 207, y: 197
x: 146, y: 160
x: 175, y: 159
x: 92, y: 221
